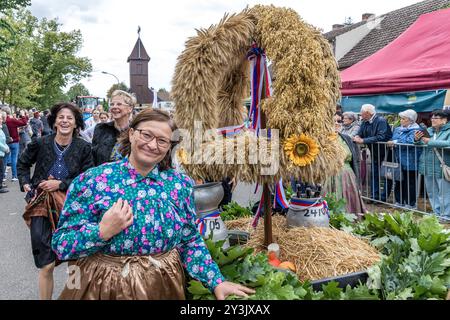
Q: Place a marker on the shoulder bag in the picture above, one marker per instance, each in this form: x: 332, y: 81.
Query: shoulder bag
x: 445, y: 168
x: 391, y: 170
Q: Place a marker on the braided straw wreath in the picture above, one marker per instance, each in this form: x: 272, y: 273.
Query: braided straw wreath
x: 212, y: 78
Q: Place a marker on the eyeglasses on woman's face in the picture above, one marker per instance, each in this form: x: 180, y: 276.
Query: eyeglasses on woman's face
x: 148, y: 136
x: 118, y: 104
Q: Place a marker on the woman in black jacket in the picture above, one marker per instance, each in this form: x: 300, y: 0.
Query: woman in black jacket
x: 59, y: 158
x: 105, y: 145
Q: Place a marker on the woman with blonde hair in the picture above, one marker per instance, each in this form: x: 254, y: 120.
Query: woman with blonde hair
x: 105, y: 145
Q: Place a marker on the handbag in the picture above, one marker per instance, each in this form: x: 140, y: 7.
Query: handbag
x: 445, y: 168
x: 391, y: 170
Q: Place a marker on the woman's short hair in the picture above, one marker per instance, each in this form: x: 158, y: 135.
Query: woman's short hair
x: 351, y: 115
x: 3, y: 115
x: 409, y: 114
x: 104, y: 113
x: 129, y: 98
x: 76, y: 113
x: 144, y: 116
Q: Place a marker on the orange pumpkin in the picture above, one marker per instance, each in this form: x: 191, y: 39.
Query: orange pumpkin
x: 287, y: 265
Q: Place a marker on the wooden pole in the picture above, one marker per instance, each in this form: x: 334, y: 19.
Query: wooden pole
x: 268, y: 239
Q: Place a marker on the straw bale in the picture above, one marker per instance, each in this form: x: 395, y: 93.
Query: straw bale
x: 316, y: 252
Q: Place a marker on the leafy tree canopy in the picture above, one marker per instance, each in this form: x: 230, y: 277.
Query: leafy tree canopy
x: 13, y: 4
x: 77, y: 90
x: 40, y: 61
x: 120, y: 86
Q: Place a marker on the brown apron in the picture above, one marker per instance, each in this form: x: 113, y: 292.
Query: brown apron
x: 49, y: 206
x: 107, y: 277
x: 45, y: 204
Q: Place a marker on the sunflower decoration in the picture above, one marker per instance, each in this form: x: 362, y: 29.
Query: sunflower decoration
x: 301, y: 149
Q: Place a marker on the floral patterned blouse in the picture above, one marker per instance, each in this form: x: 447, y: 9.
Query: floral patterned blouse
x: 164, y: 218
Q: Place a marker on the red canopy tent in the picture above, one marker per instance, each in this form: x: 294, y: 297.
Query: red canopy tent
x: 418, y: 60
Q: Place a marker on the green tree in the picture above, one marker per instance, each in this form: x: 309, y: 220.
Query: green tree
x: 18, y: 79
x: 7, y: 32
x: 40, y: 62
x: 120, y: 86
x: 13, y: 4
x: 54, y: 58
x: 164, y: 94
x: 77, y: 90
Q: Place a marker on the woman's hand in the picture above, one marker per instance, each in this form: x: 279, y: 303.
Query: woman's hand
x: 425, y: 140
x: 418, y: 135
x: 116, y: 219
x: 227, y: 288
x: 49, y: 185
x: 390, y: 143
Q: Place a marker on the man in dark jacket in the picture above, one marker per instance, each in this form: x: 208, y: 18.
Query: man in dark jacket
x: 46, y: 130
x: 36, y: 125
x: 375, y: 129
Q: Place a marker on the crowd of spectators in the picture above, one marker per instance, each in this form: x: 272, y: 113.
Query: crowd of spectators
x: 20, y: 127
x: 410, y: 150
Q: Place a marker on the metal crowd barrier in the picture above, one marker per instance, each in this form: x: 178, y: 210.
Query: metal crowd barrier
x: 424, y: 194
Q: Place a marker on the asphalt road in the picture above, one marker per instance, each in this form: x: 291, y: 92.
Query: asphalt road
x: 18, y: 274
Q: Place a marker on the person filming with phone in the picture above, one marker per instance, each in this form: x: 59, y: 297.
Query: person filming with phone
x: 434, y: 156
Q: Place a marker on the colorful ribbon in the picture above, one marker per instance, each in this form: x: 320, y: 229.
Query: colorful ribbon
x: 258, y: 212
x: 306, y: 204
x: 259, y: 73
x: 280, y: 195
x: 201, y: 221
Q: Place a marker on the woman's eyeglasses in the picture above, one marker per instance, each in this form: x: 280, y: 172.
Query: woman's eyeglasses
x: 148, y: 136
x: 118, y: 104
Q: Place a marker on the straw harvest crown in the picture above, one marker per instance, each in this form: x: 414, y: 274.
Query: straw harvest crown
x: 212, y: 78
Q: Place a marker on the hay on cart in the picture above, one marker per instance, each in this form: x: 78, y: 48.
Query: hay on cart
x: 316, y: 252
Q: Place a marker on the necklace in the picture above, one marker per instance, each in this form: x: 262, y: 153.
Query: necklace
x: 59, y: 152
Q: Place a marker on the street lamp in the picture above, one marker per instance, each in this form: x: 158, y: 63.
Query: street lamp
x: 118, y: 82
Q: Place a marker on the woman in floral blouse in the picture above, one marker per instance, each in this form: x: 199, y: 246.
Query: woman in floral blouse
x: 131, y: 224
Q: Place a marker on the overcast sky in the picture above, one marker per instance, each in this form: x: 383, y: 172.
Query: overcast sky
x: 109, y: 28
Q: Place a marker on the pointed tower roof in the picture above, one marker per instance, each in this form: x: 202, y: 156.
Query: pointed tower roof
x: 138, y: 52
